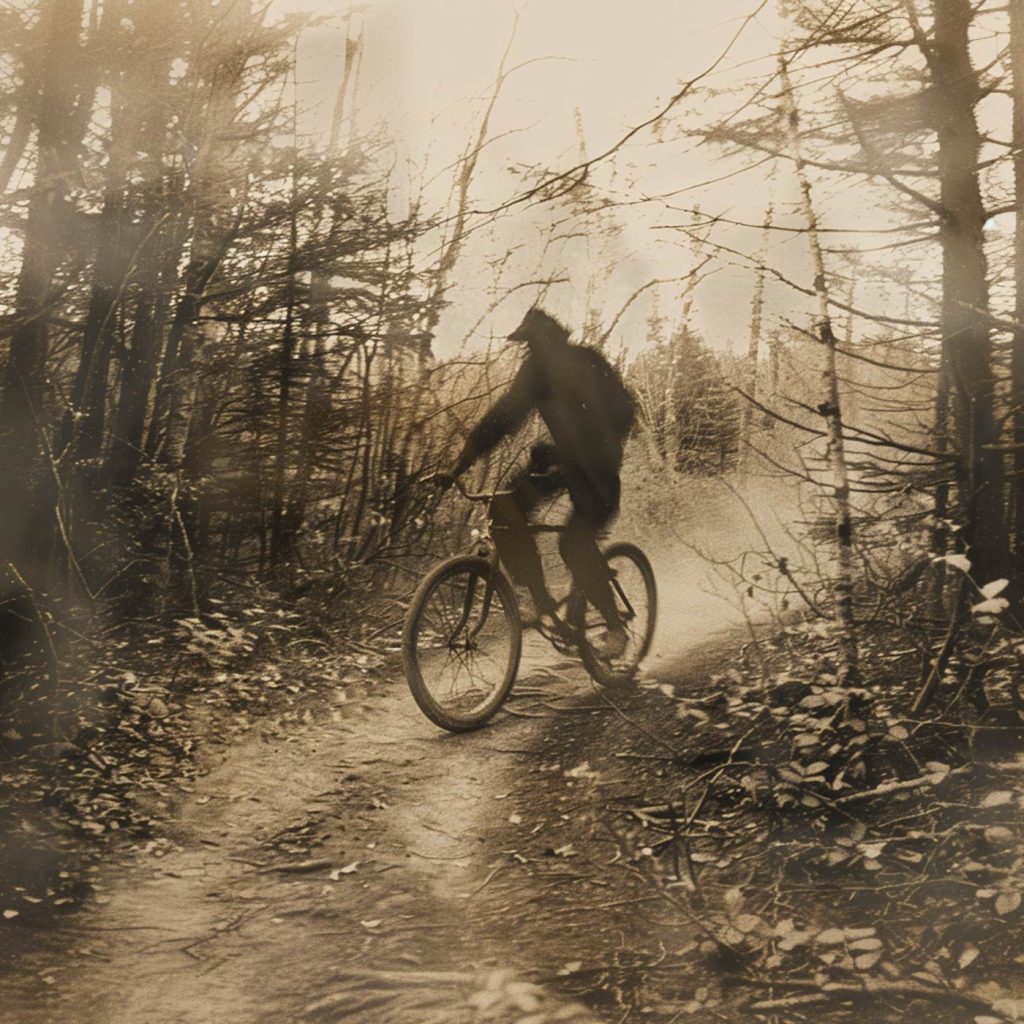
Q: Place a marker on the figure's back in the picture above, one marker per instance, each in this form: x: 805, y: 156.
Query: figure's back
x: 586, y: 407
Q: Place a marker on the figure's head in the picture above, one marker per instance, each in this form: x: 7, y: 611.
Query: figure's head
x: 538, y: 328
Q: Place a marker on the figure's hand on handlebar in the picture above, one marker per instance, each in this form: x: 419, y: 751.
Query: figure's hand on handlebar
x: 446, y: 481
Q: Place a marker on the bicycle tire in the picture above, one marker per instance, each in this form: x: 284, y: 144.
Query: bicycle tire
x: 414, y: 650
x: 621, y: 672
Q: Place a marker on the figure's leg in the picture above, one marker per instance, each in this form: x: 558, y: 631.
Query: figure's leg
x: 593, y: 510
x: 517, y: 547
x: 579, y: 547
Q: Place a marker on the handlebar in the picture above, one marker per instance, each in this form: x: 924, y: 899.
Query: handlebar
x: 464, y: 491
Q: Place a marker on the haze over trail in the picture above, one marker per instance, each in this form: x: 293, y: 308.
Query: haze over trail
x: 291, y: 726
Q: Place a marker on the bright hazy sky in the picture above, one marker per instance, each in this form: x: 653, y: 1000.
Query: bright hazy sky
x: 428, y: 65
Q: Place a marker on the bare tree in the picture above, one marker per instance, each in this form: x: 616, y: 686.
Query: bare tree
x: 754, y: 346
x: 32, y: 497
x: 966, y: 329
x: 831, y: 406
x: 1016, y: 14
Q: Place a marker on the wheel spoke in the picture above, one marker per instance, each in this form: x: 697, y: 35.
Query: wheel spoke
x: 465, y: 656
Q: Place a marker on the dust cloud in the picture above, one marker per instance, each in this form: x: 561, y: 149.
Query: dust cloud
x: 715, y: 544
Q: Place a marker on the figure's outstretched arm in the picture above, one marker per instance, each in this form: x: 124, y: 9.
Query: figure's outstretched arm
x: 503, y: 418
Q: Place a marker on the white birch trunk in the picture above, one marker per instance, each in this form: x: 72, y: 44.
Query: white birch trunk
x: 753, y: 352
x: 830, y: 407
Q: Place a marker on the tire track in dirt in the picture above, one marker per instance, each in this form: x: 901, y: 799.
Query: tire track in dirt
x: 373, y: 869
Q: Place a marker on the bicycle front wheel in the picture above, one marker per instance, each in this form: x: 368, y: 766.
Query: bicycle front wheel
x: 461, y: 643
x: 636, y: 598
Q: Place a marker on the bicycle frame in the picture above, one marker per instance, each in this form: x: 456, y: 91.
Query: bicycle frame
x: 460, y: 672
x: 487, y: 548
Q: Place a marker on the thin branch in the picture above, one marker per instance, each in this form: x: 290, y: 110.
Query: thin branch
x: 580, y: 170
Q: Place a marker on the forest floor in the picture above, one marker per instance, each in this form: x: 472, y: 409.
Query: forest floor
x: 351, y: 862
x: 371, y: 867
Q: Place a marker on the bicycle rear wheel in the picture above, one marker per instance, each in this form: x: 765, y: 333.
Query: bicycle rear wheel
x: 461, y: 643
x: 636, y: 597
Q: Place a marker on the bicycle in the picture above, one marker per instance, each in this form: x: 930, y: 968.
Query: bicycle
x: 463, y: 632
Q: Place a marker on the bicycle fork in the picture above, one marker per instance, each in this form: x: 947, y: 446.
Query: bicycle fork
x: 467, y: 610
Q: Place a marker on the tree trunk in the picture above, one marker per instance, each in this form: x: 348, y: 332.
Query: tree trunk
x: 217, y: 196
x: 29, y: 513
x: 139, y: 365
x: 317, y: 401
x: 280, y: 533
x: 1017, y: 342
x: 966, y: 335
x: 830, y: 408
x: 753, y: 351
x: 138, y: 90
x: 23, y: 382
x: 451, y: 248
x: 940, y: 531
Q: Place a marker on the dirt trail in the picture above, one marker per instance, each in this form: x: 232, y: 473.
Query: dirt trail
x: 376, y: 869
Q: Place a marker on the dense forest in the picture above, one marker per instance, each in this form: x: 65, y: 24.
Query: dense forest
x: 218, y: 368
x: 223, y: 377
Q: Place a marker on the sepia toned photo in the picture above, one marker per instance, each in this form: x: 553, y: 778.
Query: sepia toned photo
x: 512, y: 511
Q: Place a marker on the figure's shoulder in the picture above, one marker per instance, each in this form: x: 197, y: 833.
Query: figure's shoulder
x: 592, y: 357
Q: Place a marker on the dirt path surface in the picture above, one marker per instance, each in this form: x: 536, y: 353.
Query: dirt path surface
x: 373, y: 868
